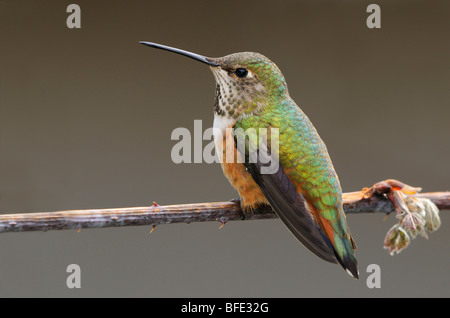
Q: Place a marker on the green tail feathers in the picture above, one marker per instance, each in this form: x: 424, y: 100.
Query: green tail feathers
x: 344, y: 251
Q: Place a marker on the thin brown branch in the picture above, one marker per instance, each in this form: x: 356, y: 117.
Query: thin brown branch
x: 354, y: 202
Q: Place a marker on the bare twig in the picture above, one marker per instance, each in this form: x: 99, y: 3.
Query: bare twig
x: 354, y: 202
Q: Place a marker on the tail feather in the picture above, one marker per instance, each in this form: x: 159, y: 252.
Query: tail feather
x: 347, y: 258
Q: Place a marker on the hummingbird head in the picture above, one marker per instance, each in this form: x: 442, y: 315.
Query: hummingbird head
x: 245, y: 82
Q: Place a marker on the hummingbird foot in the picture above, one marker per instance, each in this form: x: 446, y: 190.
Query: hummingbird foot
x: 262, y: 208
x: 238, y: 201
x: 252, y: 209
x: 259, y: 209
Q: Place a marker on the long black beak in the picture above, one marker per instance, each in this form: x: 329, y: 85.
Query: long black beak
x: 194, y: 56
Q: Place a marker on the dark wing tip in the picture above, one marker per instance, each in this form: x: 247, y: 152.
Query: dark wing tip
x: 290, y: 207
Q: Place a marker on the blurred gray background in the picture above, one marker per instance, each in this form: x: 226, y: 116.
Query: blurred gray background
x: 86, y: 117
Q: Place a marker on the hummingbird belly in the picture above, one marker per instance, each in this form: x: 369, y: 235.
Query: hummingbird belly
x: 249, y: 192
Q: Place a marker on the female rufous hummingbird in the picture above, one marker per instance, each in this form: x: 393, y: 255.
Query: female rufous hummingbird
x: 304, y: 190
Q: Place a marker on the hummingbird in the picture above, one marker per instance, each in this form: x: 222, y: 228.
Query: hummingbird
x: 304, y: 191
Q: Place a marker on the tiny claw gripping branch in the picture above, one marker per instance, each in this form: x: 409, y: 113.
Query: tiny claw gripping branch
x: 415, y: 215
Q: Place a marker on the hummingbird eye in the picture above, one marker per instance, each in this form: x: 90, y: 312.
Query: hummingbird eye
x: 241, y: 72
